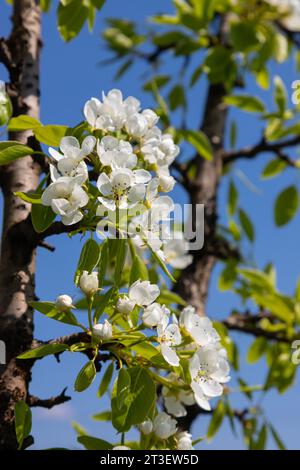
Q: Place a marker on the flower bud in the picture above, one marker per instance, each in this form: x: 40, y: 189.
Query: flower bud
x: 164, y: 426
x: 185, y: 441
x: 166, y: 183
x: 154, y: 314
x: 103, y: 330
x: 146, y: 427
x: 88, y: 283
x: 64, y: 303
x: 125, y: 305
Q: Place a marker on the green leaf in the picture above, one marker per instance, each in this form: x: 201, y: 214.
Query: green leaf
x: 232, y: 199
x: 23, y: 421
x: 249, y: 104
x: 277, y: 438
x: 138, y: 270
x: 43, y: 351
x: 256, y: 350
x: 104, y: 416
x: 200, y: 142
x: 49, y: 309
x: 11, y: 150
x: 71, y: 19
x: 286, y: 206
x: 104, y: 301
x: 23, y: 123
x: 244, y: 35
x: 196, y: 75
x: 280, y: 94
x: 93, y: 443
x: 85, y: 377
x: 120, y: 261
x: 273, y: 168
x: 168, y: 297
x: 234, y: 229
x: 45, y: 5
x: 41, y: 217
x: 132, y: 399
x: 50, y: 134
x: 158, y: 81
x: 31, y: 197
x: 106, y: 379
x: 177, y: 97
x: 262, y: 438
x: 216, y: 420
x: 246, y: 225
x: 102, y: 265
x: 220, y: 65
x: 89, y: 258
x: 97, y: 3
x: 233, y: 134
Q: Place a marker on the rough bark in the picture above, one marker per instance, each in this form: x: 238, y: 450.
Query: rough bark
x: 194, y: 281
x: 18, y: 251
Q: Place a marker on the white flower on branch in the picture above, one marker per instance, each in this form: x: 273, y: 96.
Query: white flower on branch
x: 89, y: 283
x: 103, y: 330
x: 155, y: 314
x: 164, y: 426
x: 63, y: 303
x: 199, y: 328
x: 116, y: 153
x: 66, y: 197
x: 168, y: 337
x: 184, y: 441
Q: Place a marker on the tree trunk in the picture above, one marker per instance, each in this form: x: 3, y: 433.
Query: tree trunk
x: 194, y: 280
x: 17, y: 269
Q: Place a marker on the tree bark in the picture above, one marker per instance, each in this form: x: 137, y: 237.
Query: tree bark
x: 194, y: 280
x: 17, y: 269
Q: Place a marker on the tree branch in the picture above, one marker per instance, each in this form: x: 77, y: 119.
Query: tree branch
x: 251, y: 152
x: 48, y: 403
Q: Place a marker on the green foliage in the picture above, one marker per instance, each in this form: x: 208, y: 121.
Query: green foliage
x: 286, y: 206
x: 10, y: 151
x: 22, y: 421
x: 43, y: 351
x: 89, y: 258
x: 93, y: 443
x: 49, y: 309
x: 199, y: 141
x: 42, y: 217
x: 106, y: 379
x: 85, y: 377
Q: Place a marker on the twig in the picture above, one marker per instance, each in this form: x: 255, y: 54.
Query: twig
x: 48, y: 403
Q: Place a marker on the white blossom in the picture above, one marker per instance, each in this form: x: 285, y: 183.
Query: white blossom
x: 159, y: 149
x: 150, y: 116
x: 66, y: 198
x: 164, y: 426
x: 125, y: 305
x: 146, y: 427
x: 136, y: 125
x: 103, y: 330
x: 154, y: 314
x: 168, y: 337
x: 64, y: 302
x: 176, y: 251
x: 123, y: 188
x: 209, y: 369
x: 200, y: 328
x: 89, y: 283
x: 116, y: 153
x: 184, y: 441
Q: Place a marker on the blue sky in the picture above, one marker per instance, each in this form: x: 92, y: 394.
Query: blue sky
x: 70, y: 74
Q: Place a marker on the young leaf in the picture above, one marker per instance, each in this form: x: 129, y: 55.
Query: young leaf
x: 49, y: 309
x: 93, y: 443
x: 232, y: 199
x: 138, y: 270
x: 43, y: 351
x: 102, y: 265
x: 11, y: 150
x: 273, y: 168
x: 277, y: 438
x: 41, y: 217
x: 216, y: 420
x: 250, y: 104
x: 23, y: 421
x: 106, y: 379
x: 50, y: 135
x: 104, y: 416
x: 256, y: 350
x: 31, y: 197
x: 71, y: 18
x: 246, y: 225
x: 89, y: 258
x: 200, y: 142
x: 23, y: 123
x: 286, y: 206
x: 85, y: 377
x: 280, y: 94
x: 120, y: 261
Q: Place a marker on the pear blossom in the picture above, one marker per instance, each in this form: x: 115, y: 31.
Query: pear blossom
x: 158, y: 148
x: 63, y: 303
x: 184, y: 441
x: 164, y: 426
x: 116, y: 153
x: 209, y: 369
x: 103, y: 330
x: 136, y: 125
x: 142, y: 293
x: 154, y: 314
x: 146, y: 427
x: 168, y: 337
x: 125, y: 305
x: 123, y: 188
x: 176, y: 400
x: 150, y: 116
x: 176, y: 251
x: 200, y: 328
x: 66, y: 198
x: 89, y: 283
x: 166, y: 181
x: 70, y: 161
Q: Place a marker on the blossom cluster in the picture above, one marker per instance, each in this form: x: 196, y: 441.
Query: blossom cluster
x: 131, y: 158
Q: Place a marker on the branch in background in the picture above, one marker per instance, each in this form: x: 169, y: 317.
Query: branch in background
x: 246, y: 323
x: 48, y: 402
x: 263, y: 146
